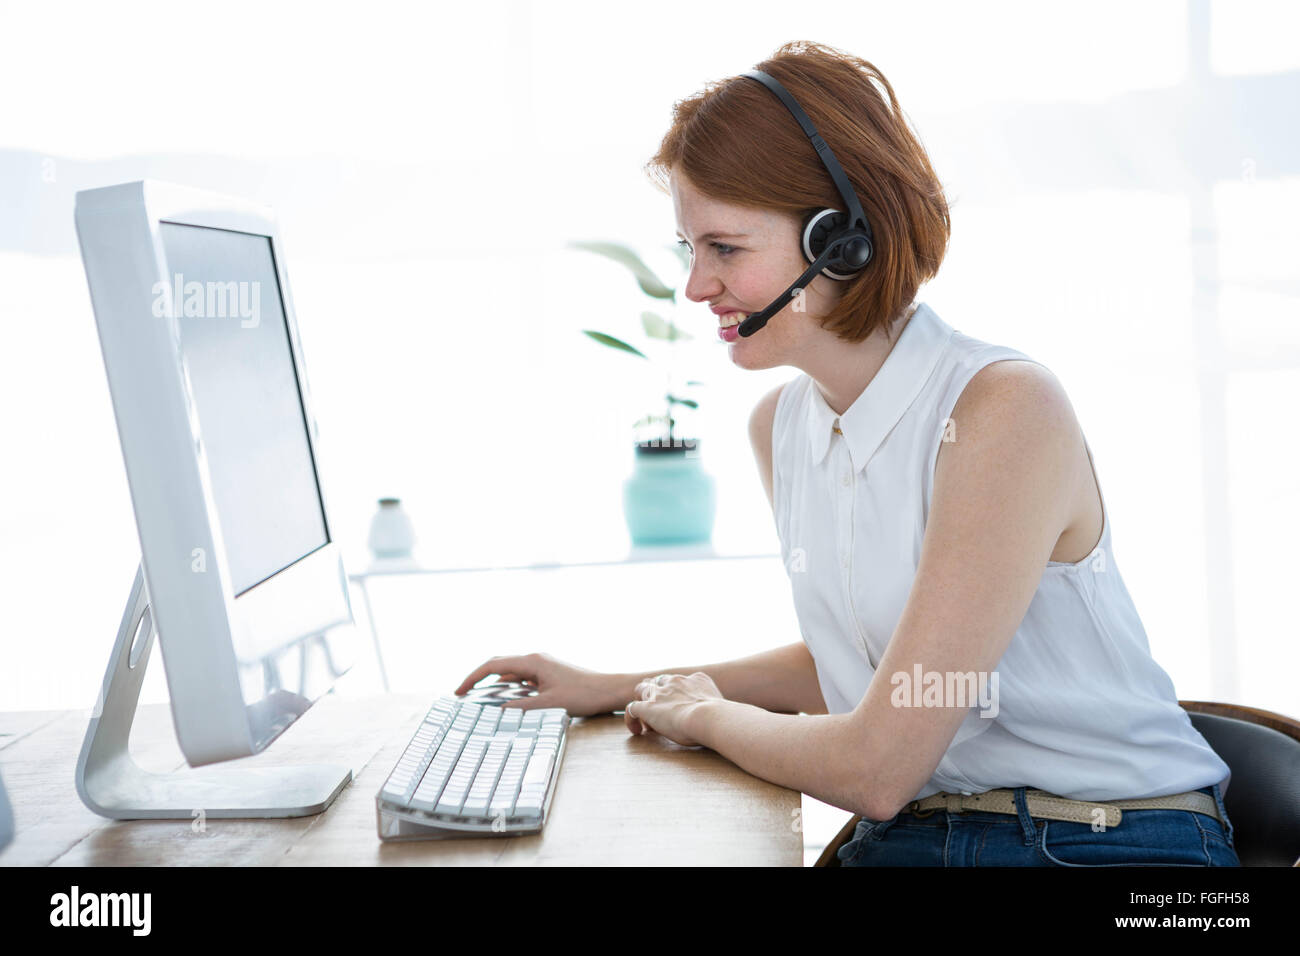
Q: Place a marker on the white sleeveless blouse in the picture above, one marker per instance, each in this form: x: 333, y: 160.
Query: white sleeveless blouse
x: 1083, y: 709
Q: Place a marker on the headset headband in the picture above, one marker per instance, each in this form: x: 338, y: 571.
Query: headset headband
x: 857, y: 219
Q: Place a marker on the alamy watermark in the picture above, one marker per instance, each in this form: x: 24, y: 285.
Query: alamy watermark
x: 211, y: 300
x: 946, y: 689
x: 75, y: 908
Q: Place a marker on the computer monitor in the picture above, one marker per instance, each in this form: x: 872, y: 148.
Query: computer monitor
x: 240, y: 575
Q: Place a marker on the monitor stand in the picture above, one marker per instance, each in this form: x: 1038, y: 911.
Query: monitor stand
x: 111, y: 784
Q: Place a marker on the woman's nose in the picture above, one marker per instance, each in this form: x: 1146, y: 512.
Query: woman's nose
x: 701, y: 284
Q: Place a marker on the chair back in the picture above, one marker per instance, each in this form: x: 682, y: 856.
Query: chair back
x: 1262, y: 749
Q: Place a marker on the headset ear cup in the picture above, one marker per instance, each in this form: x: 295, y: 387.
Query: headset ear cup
x: 818, y: 231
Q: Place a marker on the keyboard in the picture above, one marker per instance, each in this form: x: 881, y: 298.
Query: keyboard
x: 474, y: 768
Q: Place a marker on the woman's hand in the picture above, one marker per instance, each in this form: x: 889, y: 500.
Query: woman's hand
x: 666, y: 704
x: 580, y: 692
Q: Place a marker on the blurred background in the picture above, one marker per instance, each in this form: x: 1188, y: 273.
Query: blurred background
x: 1125, y: 189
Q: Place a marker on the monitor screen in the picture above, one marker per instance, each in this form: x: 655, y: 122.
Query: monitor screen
x: 252, y: 427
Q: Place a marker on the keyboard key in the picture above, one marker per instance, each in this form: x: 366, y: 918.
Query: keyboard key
x: 396, y: 793
x: 539, y: 767
x: 423, y: 800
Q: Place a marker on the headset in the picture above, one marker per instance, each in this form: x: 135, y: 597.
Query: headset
x: 838, y: 244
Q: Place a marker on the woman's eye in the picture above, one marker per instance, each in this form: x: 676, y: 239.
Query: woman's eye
x: 721, y: 247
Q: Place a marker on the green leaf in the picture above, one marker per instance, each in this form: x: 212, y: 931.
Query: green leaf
x: 694, y: 383
x: 658, y: 327
x: 688, y: 402
x: 649, y: 282
x: 614, y: 343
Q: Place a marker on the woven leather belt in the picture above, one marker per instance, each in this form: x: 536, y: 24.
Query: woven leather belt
x: 1049, y: 806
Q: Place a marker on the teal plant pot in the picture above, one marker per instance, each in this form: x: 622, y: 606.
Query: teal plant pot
x: 669, y: 499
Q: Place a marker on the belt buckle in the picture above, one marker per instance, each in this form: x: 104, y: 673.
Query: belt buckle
x: 914, y: 809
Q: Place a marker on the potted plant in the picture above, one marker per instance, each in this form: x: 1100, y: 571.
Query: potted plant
x: 669, y: 498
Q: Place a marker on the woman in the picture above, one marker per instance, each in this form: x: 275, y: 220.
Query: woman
x: 973, y: 680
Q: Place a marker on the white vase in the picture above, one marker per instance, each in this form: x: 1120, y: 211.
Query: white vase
x: 391, y: 533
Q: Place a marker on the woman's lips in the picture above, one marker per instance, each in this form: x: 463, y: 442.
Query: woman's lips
x: 729, y: 325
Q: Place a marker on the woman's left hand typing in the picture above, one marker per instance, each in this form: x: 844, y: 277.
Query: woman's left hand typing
x: 666, y: 705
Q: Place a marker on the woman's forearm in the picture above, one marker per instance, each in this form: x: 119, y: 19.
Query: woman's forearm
x: 783, y: 680
x: 818, y: 756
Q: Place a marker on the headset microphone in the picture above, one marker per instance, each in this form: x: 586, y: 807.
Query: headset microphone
x: 837, y: 243
x: 759, y: 319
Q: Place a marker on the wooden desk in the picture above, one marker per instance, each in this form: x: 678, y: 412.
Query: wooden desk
x: 620, y: 800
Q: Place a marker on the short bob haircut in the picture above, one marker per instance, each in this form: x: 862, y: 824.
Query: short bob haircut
x: 737, y: 143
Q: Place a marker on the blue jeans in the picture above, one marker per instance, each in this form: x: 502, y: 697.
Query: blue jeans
x: 979, y: 838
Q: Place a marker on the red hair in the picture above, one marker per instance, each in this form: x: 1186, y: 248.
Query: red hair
x: 737, y: 143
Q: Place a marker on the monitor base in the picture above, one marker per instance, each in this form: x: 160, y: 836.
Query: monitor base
x: 112, y: 784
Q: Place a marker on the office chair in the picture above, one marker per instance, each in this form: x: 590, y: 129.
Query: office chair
x: 1263, y: 800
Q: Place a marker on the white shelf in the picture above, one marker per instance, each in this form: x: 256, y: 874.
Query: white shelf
x: 386, y: 567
